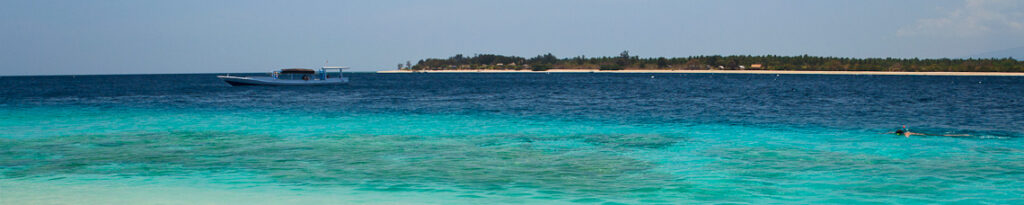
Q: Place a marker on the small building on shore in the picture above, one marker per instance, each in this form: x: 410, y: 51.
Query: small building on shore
x: 755, y: 66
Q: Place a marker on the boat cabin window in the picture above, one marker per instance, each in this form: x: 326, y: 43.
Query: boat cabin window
x: 305, y: 74
x: 294, y: 76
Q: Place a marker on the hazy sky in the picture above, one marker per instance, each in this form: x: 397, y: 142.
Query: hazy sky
x: 40, y: 37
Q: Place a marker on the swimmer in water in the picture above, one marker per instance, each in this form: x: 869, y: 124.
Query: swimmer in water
x: 907, y: 133
x: 904, y: 132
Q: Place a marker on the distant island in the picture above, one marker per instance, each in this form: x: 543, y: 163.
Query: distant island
x: 627, y: 62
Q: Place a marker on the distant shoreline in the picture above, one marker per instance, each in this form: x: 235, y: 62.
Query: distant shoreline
x: 720, y: 72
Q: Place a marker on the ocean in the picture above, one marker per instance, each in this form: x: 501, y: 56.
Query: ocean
x: 529, y: 138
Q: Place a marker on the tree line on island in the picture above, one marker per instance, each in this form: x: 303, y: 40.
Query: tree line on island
x: 625, y: 61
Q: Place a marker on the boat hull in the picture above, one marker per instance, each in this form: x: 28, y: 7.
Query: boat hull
x: 268, y: 81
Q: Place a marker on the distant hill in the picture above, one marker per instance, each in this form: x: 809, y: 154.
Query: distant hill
x: 1015, y: 53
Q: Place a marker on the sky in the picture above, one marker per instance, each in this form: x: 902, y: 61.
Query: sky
x: 47, y: 37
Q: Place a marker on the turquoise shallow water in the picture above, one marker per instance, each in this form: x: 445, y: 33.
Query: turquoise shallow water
x: 76, y: 148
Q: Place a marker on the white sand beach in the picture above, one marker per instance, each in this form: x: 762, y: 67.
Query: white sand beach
x: 719, y: 72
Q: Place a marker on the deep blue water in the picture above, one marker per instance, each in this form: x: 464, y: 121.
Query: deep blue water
x: 954, y: 103
x: 522, y: 138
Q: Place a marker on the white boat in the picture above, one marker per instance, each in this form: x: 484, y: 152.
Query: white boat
x: 290, y: 76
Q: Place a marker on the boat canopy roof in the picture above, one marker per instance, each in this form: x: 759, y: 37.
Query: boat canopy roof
x: 297, y: 71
